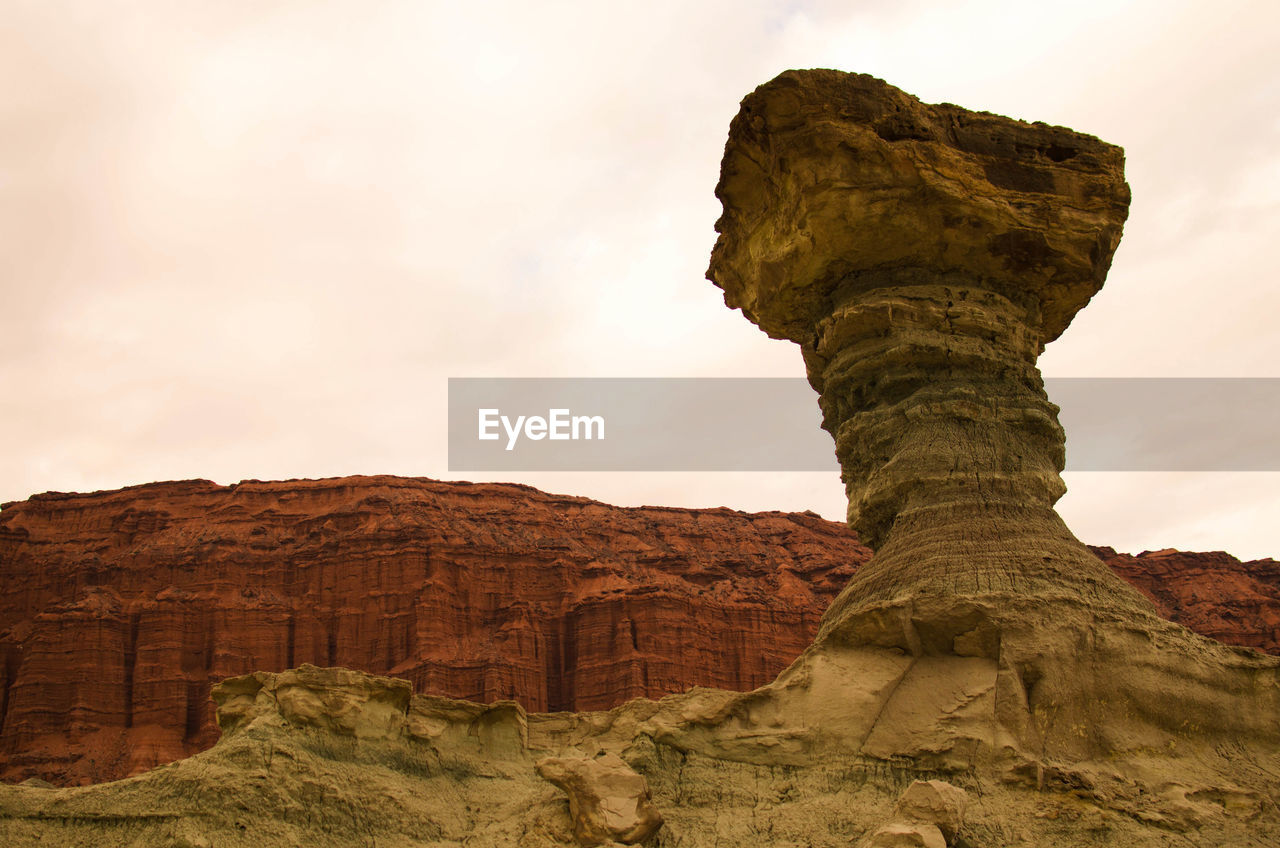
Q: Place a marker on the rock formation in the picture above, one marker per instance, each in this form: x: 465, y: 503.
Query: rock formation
x: 934, y: 802
x: 608, y: 801
x: 466, y: 590
x: 922, y: 257
x: 333, y: 758
x: 1212, y: 593
x: 118, y: 610
x: 982, y: 644
x: 929, y: 814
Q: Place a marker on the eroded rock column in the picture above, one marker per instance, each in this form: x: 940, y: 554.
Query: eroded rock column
x: 922, y: 256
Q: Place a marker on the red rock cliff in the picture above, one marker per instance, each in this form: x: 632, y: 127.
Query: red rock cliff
x: 118, y: 609
x: 1212, y: 593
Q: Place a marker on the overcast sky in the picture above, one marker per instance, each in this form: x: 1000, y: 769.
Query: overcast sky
x: 254, y: 239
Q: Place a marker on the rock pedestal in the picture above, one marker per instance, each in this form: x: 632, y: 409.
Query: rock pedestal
x: 922, y: 257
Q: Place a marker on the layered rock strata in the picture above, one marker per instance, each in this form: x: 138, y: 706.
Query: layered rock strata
x: 333, y: 758
x: 119, y: 610
x: 922, y: 257
x: 1212, y: 593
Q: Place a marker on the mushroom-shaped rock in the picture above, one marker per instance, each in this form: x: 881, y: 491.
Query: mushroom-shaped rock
x: 608, y: 800
x: 922, y: 256
x: 934, y: 802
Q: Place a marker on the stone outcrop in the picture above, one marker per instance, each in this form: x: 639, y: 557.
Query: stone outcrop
x: 332, y: 758
x: 907, y: 835
x: 467, y: 590
x: 929, y: 814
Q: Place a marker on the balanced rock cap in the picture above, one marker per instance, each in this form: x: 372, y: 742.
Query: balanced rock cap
x: 834, y: 183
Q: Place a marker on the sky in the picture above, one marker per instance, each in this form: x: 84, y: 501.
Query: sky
x: 253, y: 240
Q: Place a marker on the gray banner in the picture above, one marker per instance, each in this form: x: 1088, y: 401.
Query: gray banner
x: 773, y: 424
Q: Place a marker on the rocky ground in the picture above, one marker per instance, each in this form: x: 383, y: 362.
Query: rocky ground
x: 327, y: 757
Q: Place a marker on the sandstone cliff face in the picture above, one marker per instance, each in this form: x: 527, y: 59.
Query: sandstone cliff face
x: 119, y: 609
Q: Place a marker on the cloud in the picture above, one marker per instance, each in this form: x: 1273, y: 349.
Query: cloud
x: 255, y: 239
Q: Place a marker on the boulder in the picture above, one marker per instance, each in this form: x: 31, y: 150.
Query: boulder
x: 934, y: 802
x: 608, y: 800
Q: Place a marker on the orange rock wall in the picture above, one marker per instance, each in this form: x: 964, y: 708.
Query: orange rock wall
x: 119, y: 609
x: 1212, y: 593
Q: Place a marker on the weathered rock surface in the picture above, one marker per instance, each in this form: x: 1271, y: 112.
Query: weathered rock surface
x: 119, y: 609
x: 608, y: 801
x: 1212, y: 593
x: 934, y: 802
x: 481, y: 592
x: 393, y: 769
x: 922, y: 256
x: 907, y: 835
